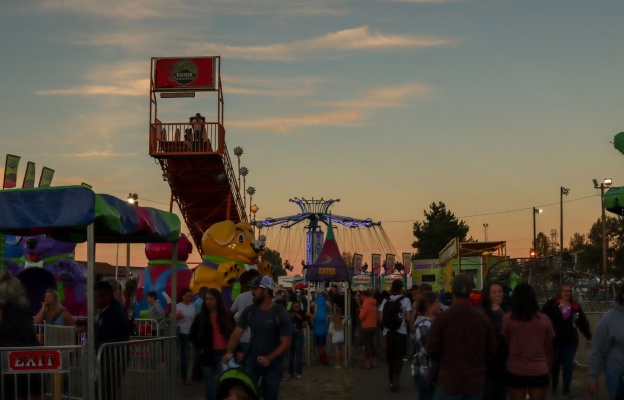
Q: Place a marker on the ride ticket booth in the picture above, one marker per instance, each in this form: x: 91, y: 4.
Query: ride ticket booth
x: 471, y: 258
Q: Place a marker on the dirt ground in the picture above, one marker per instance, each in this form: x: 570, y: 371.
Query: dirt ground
x: 352, y: 383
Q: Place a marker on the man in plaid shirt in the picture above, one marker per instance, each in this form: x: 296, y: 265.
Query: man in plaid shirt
x: 461, y: 339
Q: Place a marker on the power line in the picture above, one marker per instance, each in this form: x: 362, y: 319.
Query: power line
x: 503, y: 212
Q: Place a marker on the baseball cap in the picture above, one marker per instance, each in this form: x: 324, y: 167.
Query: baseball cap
x: 261, y: 282
x: 398, y: 284
x: 461, y: 284
x: 342, y: 290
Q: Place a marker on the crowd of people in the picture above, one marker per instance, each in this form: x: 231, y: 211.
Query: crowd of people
x: 506, y: 347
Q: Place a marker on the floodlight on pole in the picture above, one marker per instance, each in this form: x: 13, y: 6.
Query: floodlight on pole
x: 608, y: 181
x: 535, y: 211
x: 563, y: 192
x: 132, y: 198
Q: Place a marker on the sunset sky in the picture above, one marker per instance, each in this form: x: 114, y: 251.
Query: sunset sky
x: 486, y: 105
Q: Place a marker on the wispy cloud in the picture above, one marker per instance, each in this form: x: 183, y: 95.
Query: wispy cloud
x: 386, y: 96
x: 348, y: 40
x: 335, y: 44
x: 130, y: 78
x: 342, y: 113
x: 290, y: 124
x: 127, y: 9
x: 271, y: 87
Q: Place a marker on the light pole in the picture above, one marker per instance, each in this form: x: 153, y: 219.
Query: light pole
x: 238, y: 152
x: 243, y: 171
x: 606, y: 183
x: 250, y: 191
x: 535, y: 211
x: 562, y: 192
x: 485, y: 228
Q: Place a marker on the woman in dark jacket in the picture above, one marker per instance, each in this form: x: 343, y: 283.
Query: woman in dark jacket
x: 17, y: 330
x: 494, y: 306
x: 567, y: 319
x: 209, y: 333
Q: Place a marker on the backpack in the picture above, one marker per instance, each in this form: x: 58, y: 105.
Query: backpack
x: 392, y: 315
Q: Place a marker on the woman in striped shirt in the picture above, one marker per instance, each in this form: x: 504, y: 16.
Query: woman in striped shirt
x: 428, y: 307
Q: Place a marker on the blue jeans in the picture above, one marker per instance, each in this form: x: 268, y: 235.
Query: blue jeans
x: 211, y: 374
x: 185, y: 351
x: 245, y: 347
x: 563, y: 358
x: 266, y: 378
x: 441, y: 394
x: 423, y: 391
x: 615, y: 382
x: 197, y: 373
x: 296, y: 352
x: 409, y: 347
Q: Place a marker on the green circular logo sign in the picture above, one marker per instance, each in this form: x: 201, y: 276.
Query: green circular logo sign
x: 184, y: 72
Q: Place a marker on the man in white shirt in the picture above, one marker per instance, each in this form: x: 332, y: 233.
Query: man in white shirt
x: 395, y: 337
x: 243, y: 301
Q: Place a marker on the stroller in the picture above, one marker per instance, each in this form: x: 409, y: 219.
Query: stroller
x: 233, y: 376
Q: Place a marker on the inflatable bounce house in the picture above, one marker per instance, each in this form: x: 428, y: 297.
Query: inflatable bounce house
x: 42, y: 263
x: 229, y: 250
x: 157, y: 276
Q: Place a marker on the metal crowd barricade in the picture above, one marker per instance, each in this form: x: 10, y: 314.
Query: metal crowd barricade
x: 55, y: 372
x: 140, y: 369
x: 58, y: 335
x: 148, y: 327
x: 583, y: 352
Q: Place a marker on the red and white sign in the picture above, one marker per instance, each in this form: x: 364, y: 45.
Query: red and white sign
x: 34, y: 360
x: 184, y: 74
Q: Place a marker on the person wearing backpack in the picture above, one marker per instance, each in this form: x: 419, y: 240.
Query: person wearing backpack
x: 393, y: 313
x: 271, y: 336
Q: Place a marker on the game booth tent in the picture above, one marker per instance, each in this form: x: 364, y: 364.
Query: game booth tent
x: 330, y: 267
x: 77, y: 214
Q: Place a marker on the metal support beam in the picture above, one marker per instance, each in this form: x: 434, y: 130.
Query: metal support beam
x: 174, y: 286
x: 91, y: 356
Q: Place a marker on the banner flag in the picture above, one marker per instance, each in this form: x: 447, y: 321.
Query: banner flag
x: 407, y: 262
x: 10, y: 171
x: 46, y: 177
x: 376, y: 264
x: 29, y: 176
x: 390, y: 261
x: 361, y: 282
x: 357, y: 264
x: 387, y: 279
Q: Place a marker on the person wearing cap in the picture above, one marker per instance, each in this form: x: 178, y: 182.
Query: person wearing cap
x: 271, y: 335
x: 461, y: 339
x: 396, y: 339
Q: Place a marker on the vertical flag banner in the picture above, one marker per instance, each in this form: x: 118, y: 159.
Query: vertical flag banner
x: 10, y: 171
x: 407, y: 262
x: 29, y: 176
x: 376, y: 264
x: 390, y: 261
x: 357, y: 264
x: 46, y: 177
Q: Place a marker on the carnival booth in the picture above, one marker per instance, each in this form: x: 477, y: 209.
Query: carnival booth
x: 330, y: 267
x: 76, y: 214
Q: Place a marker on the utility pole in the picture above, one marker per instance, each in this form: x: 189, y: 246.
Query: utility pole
x: 485, y: 228
x: 563, y: 192
x: 604, y: 232
x: 535, y: 211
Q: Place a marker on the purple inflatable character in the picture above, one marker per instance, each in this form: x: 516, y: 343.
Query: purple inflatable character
x: 50, y: 264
